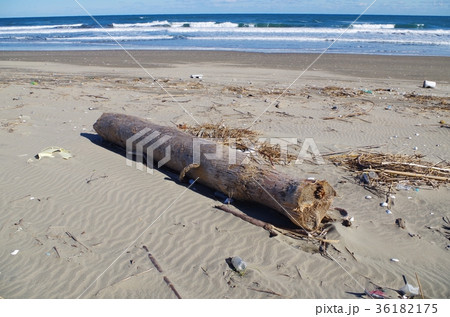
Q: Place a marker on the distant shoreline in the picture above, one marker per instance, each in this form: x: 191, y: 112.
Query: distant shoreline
x: 364, y: 66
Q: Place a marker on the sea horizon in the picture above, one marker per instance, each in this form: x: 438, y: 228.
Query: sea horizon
x: 409, y: 35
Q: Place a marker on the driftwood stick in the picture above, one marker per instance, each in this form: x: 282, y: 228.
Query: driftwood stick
x: 75, y: 239
x: 153, y: 260
x: 298, y: 271
x: 57, y: 253
x: 169, y: 283
x: 445, y: 179
x: 417, y: 165
x: 166, y: 279
x: 253, y: 221
x: 351, y: 253
x: 271, y: 228
x: 264, y: 291
x: 420, y: 286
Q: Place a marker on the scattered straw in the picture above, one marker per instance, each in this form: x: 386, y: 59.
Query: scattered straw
x: 390, y: 169
x: 243, y: 139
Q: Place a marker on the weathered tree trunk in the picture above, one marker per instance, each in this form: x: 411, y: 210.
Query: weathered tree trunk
x: 304, y: 202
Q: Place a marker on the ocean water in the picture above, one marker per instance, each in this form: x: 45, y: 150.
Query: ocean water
x: 268, y: 33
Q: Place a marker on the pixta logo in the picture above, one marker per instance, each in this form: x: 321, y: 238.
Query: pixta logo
x: 150, y: 141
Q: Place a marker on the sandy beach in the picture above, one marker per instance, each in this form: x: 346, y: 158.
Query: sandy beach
x: 80, y: 225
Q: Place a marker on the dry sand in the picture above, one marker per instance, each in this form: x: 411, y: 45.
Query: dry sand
x: 78, y: 223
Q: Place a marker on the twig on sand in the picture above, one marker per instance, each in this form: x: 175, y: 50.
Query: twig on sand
x: 88, y: 181
x: 158, y: 267
x: 153, y: 260
x: 253, y: 221
x: 352, y: 254
x: 57, y: 253
x: 420, y: 286
x: 274, y: 231
x: 298, y: 271
x: 76, y: 240
x: 169, y: 283
x: 95, y: 96
x: 265, y: 291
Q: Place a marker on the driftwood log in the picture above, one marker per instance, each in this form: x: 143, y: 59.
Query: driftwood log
x: 222, y: 168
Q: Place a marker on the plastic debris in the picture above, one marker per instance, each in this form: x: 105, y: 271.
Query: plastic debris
x: 199, y: 76
x: 47, y: 253
x: 365, y: 178
x: 367, y: 91
x: 239, y: 264
x: 403, y: 187
x: 334, y: 108
x: 388, y: 212
x: 408, y: 289
x: 368, y: 197
x: 395, y: 260
x: 378, y: 294
x: 311, y: 179
x: 34, y: 83
x: 384, y: 204
x: 228, y: 201
x: 400, y: 222
x: 415, y: 148
x: 346, y: 223
x: 14, y: 252
x: 48, y: 152
x: 429, y: 84
x: 388, y: 108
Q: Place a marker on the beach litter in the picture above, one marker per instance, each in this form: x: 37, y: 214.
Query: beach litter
x: 400, y: 222
x: 239, y: 265
x: 395, y: 260
x: 400, y: 171
x: 14, y: 252
x: 198, y: 76
x: 48, y: 152
x: 429, y: 84
x: 377, y: 294
x: 346, y: 223
x: 409, y: 290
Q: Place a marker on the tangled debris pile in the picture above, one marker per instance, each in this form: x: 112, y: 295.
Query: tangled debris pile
x: 242, y: 139
x: 385, y: 170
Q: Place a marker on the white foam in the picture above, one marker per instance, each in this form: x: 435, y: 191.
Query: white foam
x: 38, y: 27
x: 118, y: 38
x: 371, y: 26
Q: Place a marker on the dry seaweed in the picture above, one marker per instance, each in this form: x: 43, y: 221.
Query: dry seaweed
x: 242, y: 139
x: 433, y: 102
x: 386, y: 170
x: 333, y: 91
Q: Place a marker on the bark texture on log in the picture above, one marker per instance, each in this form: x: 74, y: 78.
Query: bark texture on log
x: 304, y: 202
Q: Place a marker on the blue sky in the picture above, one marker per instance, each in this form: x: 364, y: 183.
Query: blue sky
x: 30, y: 8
